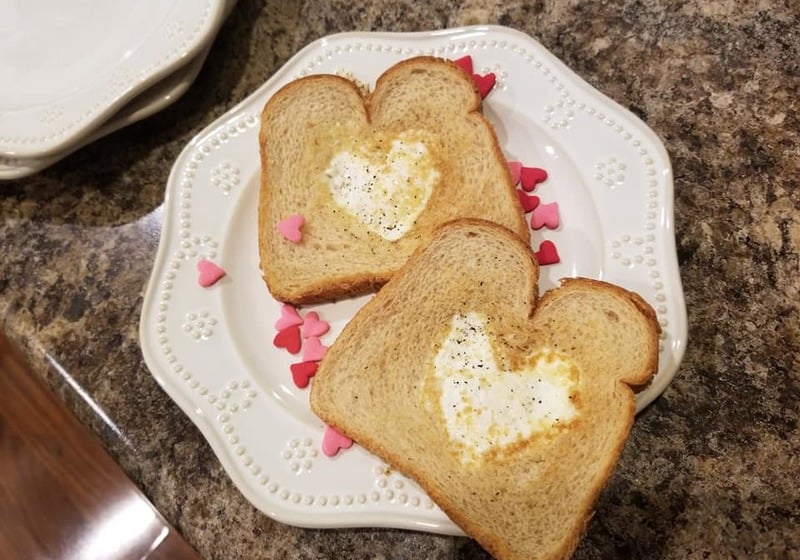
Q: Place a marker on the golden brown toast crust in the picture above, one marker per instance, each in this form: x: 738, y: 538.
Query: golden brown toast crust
x: 367, y: 386
x: 285, y: 189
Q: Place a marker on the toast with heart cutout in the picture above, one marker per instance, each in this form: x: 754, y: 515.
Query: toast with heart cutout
x: 363, y: 179
x: 508, y: 409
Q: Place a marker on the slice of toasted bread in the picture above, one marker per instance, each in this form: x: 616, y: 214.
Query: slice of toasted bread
x: 373, y: 176
x: 509, y: 410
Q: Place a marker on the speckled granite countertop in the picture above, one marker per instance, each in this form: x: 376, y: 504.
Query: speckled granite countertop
x: 712, y: 468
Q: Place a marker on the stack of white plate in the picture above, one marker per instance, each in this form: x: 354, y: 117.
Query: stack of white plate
x: 72, y: 72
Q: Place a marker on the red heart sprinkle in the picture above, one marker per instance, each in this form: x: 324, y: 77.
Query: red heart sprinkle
x: 529, y: 202
x: 288, y: 338
x: 333, y: 441
x: 302, y: 373
x: 210, y: 273
x: 531, y: 176
x: 485, y: 83
x: 547, y: 253
x: 465, y: 62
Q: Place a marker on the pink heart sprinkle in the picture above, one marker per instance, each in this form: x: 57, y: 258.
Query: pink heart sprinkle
x: 547, y: 253
x: 532, y: 176
x: 210, y: 273
x: 289, y: 338
x: 289, y: 317
x: 528, y: 201
x: 314, y: 350
x: 290, y: 227
x: 313, y: 326
x: 333, y: 441
x: 515, y: 168
x: 302, y: 373
x: 545, y: 215
x: 465, y: 62
x: 485, y: 83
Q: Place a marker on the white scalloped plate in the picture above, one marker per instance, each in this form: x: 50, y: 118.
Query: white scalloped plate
x: 148, y: 102
x: 211, y: 350
x: 67, y: 66
x: 154, y: 99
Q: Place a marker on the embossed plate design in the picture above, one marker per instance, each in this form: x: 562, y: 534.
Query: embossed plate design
x: 147, y: 103
x: 211, y: 348
x: 66, y: 66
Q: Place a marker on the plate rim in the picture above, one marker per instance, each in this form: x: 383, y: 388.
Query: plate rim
x: 232, y: 468
x: 40, y: 140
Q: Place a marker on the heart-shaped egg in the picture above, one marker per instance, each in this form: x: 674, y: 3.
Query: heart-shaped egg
x: 488, y: 406
x: 384, y: 183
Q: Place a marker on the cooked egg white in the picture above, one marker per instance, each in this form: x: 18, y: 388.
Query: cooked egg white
x: 385, y: 189
x: 488, y: 408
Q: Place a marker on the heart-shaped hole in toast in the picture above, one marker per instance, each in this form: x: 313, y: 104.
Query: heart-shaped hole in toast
x: 490, y: 405
x: 374, y: 175
x: 384, y: 182
x: 493, y: 399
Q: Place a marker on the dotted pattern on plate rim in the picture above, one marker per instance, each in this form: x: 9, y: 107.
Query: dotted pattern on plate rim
x: 238, y: 396
x: 225, y: 176
x: 120, y: 80
x: 299, y: 454
x: 612, y: 173
x: 392, y: 486
x: 198, y: 324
